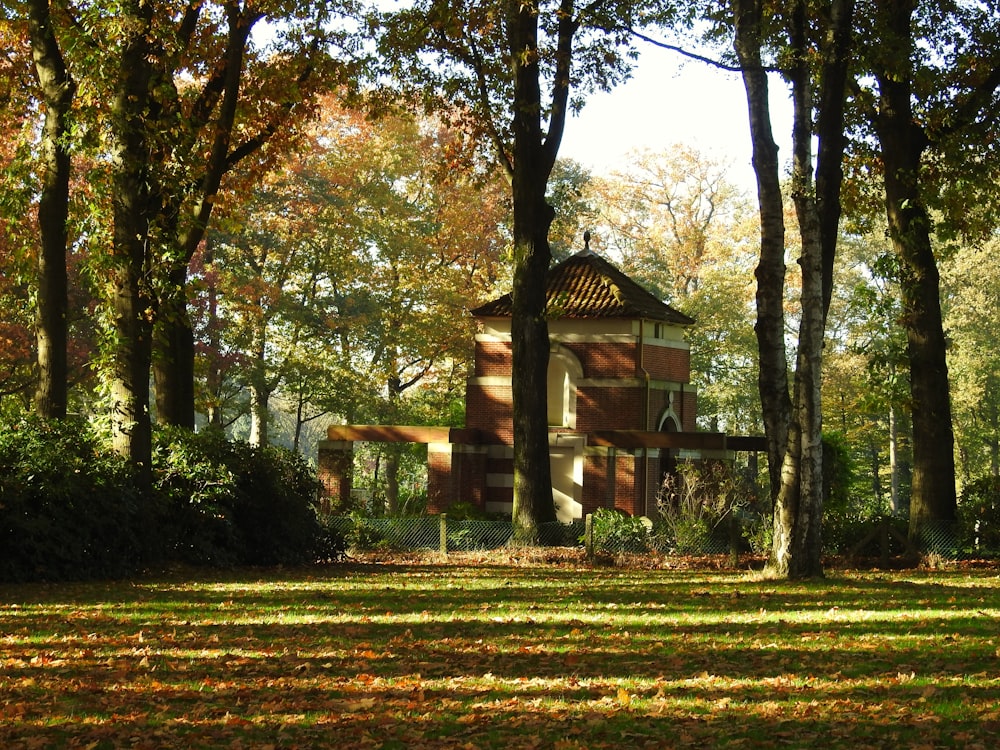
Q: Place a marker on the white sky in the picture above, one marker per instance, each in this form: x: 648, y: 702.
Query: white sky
x: 668, y: 102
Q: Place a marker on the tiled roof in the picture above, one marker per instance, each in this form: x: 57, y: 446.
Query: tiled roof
x: 586, y: 285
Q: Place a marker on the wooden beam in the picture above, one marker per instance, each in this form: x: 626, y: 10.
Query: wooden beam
x: 628, y: 439
x: 380, y: 433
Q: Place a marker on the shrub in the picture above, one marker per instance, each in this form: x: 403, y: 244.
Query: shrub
x: 979, y: 514
x: 694, y: 502
x: 68, y: 507
x: 615, y: 531
x: 227, y: 502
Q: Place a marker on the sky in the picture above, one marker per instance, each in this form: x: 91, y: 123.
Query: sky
x: 668, y: 101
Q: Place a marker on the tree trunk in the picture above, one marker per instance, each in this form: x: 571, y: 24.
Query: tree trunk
x: 894, y: 499
x: 133, y: 209
x: 173, y: 365
x: 57, y: 91
x: 770, y: 273
x: 213, y: 375
x: 798, y: 501
x: 260, y: 392
x: 534, y: 155
x: 903, y: 142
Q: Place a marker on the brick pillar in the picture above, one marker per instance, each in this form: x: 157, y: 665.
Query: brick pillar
x: 335, y: 462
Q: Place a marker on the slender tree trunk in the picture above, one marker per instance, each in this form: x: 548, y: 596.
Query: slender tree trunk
x: 770, y: 273
x: 213, y: 375
x: 133, y: 209
x: 875, y: 456
x: 903, y: 142
x: 798, y: 499
x: 57, y: 91
x: 260, y: 392
x: 894, y: 462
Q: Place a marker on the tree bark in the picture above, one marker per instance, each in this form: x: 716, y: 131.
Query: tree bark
x: 260, y: 391
x: 134, y: 207
x: 770, y: 273
x: 798, y: 501
x: 903, y: 143
x: 534, y: 156
x: 57, y: 91
x: 173, y: 363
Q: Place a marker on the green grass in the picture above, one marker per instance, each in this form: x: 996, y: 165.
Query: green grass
x: 503, y: 656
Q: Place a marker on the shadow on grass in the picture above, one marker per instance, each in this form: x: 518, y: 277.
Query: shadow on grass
x: 492, y: 657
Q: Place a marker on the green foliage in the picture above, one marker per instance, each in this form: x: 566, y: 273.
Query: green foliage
x: 838, y: 471
x: 615, y: 531
x: 68, y: 508
x: 979, y: 514
x: 233, y: 503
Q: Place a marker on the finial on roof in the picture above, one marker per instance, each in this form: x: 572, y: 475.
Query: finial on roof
x: 586, y: 241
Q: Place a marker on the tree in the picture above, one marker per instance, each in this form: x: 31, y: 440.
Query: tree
x: 506, y: 72
x: 248, y: 101
x: 57, y: 89
x: 793, y: 425
x: 353, y: 266
x: 937, y: 75
x: 971, y: 287
x: 16, y: 189
x: 176, y: 95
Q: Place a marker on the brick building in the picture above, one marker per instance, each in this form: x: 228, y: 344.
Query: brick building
x: 621, y: 406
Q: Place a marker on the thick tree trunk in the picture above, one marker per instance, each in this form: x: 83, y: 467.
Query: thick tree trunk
x: 903, y: 142
x: 57, y: 90
x: 534, y: 155
x: 133, y: 209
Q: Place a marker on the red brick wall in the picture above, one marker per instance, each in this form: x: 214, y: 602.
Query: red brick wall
x: 690, y: 415
x: 488, y: 408
x: 493, y: 358
x: 458, y: 476
x: 626, y: 488
x: 595, y: 483
x: 605, y: 360
x: 609, y: 409
x: 667, y: 363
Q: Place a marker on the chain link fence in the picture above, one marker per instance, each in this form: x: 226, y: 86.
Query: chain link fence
x: 440, y: 533
x: 878, y: 539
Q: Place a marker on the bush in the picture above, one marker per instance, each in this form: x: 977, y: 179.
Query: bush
x: 615, y: 531
x: 979, y: 514
x: 694, y: 502
x: 227, y: 502
x: 68, y: 507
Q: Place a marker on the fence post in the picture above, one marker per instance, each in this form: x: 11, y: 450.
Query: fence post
x: 588, y: 535
x: 444, y: 534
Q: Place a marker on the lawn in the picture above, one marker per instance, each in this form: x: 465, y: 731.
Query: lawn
x: 498, y: 655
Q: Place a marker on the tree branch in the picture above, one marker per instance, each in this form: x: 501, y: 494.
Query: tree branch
x: 700, y: 58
